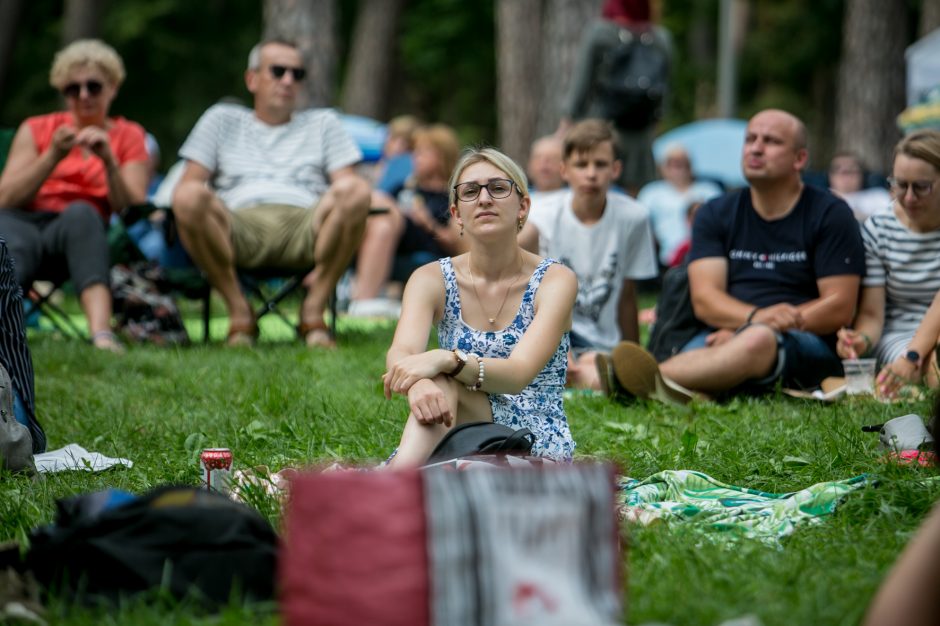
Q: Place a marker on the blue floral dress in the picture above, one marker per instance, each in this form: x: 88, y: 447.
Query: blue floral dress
x: 539, y: 406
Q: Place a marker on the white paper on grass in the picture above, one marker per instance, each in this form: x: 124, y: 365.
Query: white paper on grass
x: 73, y: 457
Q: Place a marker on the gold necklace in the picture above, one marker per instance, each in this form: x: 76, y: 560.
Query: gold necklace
x: 473, y: 283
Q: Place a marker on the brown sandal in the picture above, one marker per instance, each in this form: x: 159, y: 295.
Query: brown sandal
x: 242, y: 335
x: 316, y: 335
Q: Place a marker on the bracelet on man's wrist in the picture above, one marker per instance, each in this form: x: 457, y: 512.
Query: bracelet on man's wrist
x: 750, y: 316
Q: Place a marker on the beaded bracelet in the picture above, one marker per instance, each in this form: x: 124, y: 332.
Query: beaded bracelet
x: 481, y: 373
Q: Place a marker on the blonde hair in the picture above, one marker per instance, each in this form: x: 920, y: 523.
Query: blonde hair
x: 495, y: 158
x: 443, y: 140
x: 923, y: 145
x: 87, y: 52
x: 404, y: 127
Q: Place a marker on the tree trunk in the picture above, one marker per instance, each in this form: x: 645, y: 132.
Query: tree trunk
x: 82, y: 20
x: 10, y: 13
x: 929, y: 17
x: 563, y: 23
x: 518, y: 73
x: 372, y: 60
x: 871, y: 90
x: 311, y: 25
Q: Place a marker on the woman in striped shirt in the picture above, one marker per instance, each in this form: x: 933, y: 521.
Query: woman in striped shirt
x: 899, y: 314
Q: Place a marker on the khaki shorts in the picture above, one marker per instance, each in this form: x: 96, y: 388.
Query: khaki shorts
x: 273, y: 235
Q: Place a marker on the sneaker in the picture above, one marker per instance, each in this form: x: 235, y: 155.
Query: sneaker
x: 375, y: 307
x: 638, y: 372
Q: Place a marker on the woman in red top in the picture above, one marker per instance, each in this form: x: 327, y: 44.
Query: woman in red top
x: 65, y: 174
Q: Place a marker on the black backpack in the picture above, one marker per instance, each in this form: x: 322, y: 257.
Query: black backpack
x: 676, y: 323
x: 188, y: 541
x: 482, y: 438
x: 632, y: 80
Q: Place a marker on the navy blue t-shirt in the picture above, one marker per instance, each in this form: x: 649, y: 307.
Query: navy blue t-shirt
x: 776, y: 261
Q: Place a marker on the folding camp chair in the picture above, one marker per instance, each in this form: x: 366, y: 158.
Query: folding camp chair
x: 39, y: 299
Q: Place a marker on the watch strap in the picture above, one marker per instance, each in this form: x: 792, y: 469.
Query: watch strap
x: 460, y: 365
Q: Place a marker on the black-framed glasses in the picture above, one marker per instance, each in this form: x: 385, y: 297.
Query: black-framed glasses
x: 278, y: 71
x: 497, y: 188
x: 74, y: 90
x: 920, y: 188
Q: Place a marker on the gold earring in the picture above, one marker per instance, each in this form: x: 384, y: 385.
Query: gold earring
x: 461, y: 229
x: 521, y: 224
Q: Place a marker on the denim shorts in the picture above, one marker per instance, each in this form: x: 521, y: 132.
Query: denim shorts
x: 803, y: 361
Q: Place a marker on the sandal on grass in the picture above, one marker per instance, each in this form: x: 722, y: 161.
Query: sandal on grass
x: 242, y: 335
x: 107, y: 340
x: 638, y: 372
x: 316, y: 335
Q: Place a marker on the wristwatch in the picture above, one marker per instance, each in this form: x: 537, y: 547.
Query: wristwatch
x: 913, y: 356
x: 461, y: 357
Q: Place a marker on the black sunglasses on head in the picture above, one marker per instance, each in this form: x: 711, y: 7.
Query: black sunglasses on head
x: 278, y: 71
x: 74, y: 90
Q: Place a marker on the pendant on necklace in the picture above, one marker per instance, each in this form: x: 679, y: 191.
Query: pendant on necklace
x: 492, y: 321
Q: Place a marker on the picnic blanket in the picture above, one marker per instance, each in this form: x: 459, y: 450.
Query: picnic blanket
x: 685, y: 495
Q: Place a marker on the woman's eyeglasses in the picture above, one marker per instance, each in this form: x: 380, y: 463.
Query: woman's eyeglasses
x: 278, y: 71
x: 74, y: 90
x: 920, y: 188
x: 497, y: 188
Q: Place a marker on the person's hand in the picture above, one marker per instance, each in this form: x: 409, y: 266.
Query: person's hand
x: 407, y: 371
x: 428, y: 404
x: 894, y: 376
x: 96, y: 141
x: 780, y: 317
x: 63, y: 140
x: 718, y: 337
x: 851, y: 344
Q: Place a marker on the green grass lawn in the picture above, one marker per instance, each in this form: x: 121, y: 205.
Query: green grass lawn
x: 282, y: 405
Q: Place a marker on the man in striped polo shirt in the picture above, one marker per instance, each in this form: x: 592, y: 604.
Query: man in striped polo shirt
x: 271, y: 187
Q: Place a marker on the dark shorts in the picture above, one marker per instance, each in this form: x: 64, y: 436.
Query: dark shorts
x: 803, y: 361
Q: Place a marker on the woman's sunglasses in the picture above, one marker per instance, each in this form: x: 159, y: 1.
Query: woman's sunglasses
x: 74, y: 90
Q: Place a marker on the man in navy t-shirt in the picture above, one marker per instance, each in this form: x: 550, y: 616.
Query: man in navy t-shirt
x: 774, y: 272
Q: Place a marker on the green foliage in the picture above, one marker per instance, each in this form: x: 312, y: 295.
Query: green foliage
x: 281, y: 405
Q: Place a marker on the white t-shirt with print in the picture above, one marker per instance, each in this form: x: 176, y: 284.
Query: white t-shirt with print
x: 255, y: 163
x: 617, y: 247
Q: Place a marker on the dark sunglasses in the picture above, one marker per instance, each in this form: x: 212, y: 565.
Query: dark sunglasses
x: 74, y: 90
x: 278, y: 71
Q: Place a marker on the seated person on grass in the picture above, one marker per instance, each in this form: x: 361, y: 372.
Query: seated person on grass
x: 502, y: 317
x: 65, y: 174
x: 604, y: 237
x: 417, y: 223
x: 271, y: 188
x: 896, y: 321
x: 774, y: 272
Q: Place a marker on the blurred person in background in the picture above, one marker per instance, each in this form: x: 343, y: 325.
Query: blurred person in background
x: 65, y: 175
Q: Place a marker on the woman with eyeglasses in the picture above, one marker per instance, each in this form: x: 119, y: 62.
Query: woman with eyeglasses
x: 502, y: 315
x: 65, y: 174
x: 898, y: 319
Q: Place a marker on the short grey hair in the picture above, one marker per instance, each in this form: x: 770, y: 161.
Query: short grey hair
x: 254, y: 56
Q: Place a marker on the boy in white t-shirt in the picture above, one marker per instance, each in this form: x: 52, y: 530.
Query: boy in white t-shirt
x: 605, y: 237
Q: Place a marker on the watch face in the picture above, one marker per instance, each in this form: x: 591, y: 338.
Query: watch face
x: 461, y: 355
x: 913, y: 356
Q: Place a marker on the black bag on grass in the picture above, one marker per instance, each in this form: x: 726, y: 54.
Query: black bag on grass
x: 189, y: 542
x: 482, y: 438
x: 676, y: 323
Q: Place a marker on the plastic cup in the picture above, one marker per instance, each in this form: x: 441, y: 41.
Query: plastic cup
x: 859, y: 376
